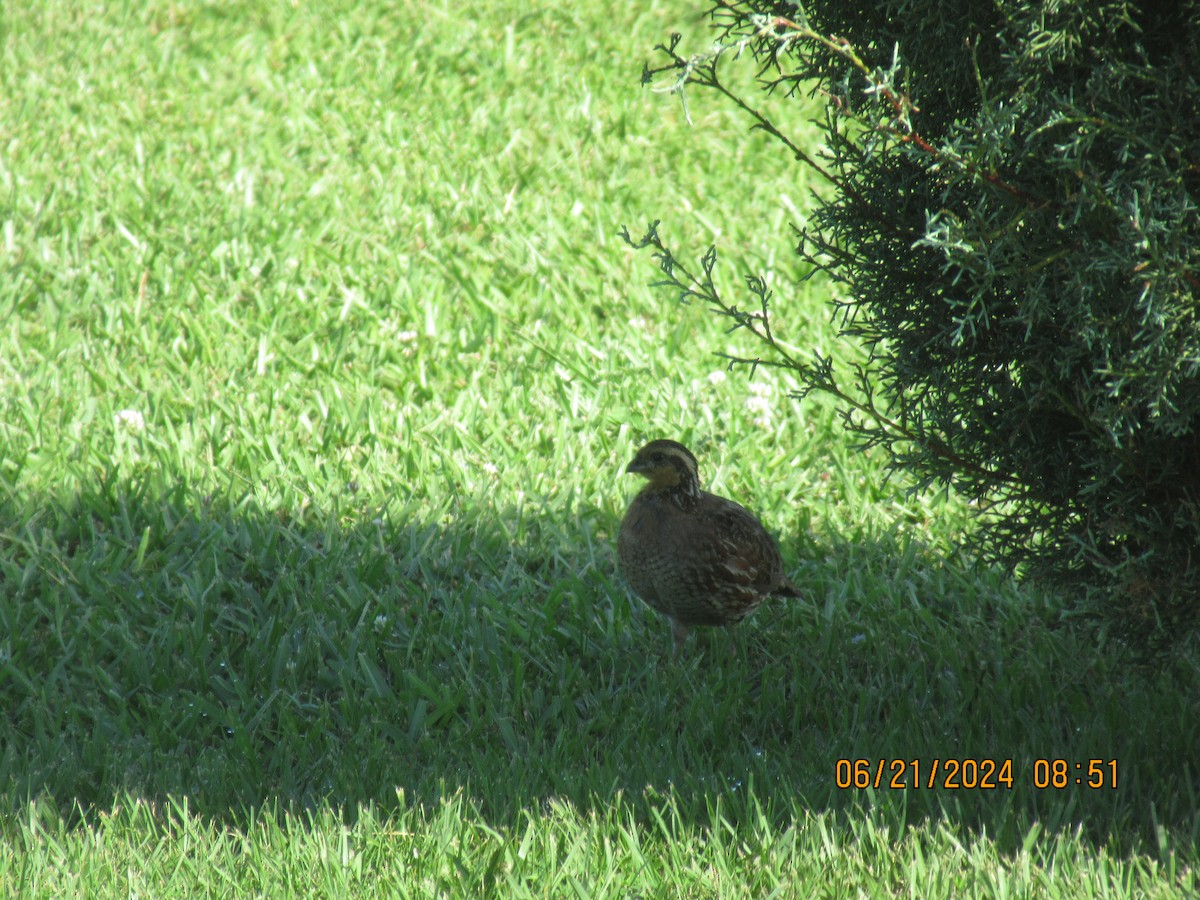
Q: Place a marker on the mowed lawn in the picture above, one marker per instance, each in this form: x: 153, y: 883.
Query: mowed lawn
x: 320, y: 364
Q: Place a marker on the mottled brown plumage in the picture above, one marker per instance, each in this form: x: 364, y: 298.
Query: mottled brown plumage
x: 697, y: 558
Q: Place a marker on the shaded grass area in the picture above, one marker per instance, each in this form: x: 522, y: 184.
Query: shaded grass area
x: 319, y: 367
x: 249, y: 657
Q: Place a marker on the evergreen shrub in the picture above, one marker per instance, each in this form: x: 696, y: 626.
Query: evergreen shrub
x: 1009, y: 214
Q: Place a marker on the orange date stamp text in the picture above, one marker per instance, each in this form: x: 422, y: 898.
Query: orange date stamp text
x: 972, y: 774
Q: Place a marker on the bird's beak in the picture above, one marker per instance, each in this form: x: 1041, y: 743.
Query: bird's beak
x: 635, y: 468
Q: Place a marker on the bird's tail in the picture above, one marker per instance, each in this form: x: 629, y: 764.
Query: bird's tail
x: 786, y: 589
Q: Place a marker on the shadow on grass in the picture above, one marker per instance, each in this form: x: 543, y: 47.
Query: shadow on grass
x: 169, y: 645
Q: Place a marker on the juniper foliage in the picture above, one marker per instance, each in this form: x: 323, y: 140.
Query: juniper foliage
x: 1010, y: 216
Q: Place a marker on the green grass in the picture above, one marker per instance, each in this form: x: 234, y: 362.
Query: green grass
x: 320, y: 362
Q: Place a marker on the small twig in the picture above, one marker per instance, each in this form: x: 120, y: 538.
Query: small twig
x: 815, y: 376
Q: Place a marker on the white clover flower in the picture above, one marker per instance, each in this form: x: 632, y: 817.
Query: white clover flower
x: 130, y: 419
x: 759, y: 403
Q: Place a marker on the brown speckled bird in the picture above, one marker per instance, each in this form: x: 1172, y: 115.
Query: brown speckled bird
x: 697, y: 558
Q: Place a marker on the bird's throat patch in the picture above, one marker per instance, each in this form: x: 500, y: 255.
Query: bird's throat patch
x: 665, y: 477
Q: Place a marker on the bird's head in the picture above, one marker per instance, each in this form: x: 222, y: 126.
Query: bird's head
x: 668, y: 465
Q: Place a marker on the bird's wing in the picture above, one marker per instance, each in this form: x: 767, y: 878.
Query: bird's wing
x: 742, y: 553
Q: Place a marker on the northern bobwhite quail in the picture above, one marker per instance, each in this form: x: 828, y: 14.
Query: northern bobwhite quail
x: 697, y: 558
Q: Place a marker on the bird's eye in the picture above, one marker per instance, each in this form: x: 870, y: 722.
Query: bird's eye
x: 658, y: 457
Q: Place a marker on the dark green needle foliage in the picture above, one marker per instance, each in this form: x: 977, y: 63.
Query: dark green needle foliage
x: 1009, y: 211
